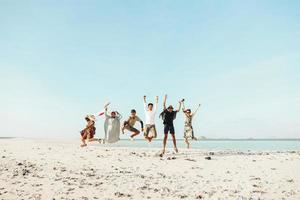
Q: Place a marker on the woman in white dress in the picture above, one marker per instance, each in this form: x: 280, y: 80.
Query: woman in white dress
x: 112, y: 126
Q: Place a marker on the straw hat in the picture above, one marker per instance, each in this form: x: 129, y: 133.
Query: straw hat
x: 91, y: 117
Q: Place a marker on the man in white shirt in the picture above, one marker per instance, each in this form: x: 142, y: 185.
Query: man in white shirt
x: 150, y: 111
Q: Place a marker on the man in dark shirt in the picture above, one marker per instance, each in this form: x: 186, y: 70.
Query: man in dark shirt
x: 168, y: 115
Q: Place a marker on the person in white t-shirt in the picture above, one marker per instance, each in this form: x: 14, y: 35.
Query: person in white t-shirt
x: 150, y: 112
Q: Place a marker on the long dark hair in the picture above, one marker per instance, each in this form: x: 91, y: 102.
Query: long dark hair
x: 162, y: 114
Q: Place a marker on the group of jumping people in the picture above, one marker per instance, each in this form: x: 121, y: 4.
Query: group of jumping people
x: 112, y: 125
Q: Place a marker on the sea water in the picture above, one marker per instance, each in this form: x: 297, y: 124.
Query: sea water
x: 221, y: 144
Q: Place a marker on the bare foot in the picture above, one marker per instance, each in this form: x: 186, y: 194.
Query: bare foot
x: 147, y: 138
x: 83, y: 145
x: 162, y: 153
x: 176, y: 150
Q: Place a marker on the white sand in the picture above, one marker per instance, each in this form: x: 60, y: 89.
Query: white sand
x: 48, y: 169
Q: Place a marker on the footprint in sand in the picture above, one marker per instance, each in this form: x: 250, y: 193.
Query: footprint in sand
x: 171, y: 158
x: 189, y: 159
x: 120, y: 194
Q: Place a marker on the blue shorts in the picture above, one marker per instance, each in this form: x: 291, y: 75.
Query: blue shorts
x: 169, y: 128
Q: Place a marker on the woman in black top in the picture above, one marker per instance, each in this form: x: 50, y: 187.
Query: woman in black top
x: 168, y: 115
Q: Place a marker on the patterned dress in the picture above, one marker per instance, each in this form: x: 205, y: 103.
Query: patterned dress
x: 188, y: 128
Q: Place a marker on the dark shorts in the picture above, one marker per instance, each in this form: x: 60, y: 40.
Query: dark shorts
x: 131, y: 128
x: 169, y: 128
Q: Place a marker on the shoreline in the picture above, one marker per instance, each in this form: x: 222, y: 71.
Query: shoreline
x: 204, y: 145
x: 161, y: 139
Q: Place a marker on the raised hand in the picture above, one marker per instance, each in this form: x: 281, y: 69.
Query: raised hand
x: 165, y: 99
x: 106, y: 105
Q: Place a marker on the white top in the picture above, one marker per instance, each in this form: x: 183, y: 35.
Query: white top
x: 150, y: 115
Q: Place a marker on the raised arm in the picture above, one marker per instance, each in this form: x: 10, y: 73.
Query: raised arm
x: 145, y: 103
x: 105, y: 109
x: 196, y: 110
x: 155, y: 105
x: 106, y: 105
x: 179, y: 107
x: 183, y: 106
x: 119, y: 116
x: 165, y: 100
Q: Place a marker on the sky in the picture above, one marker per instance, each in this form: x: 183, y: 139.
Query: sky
x: 61, y: 60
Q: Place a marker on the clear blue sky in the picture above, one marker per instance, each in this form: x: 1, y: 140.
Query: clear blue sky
x: 60, y: 60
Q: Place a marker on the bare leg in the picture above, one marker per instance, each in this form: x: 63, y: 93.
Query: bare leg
x: 135, y: 134
x: 193, y: 137
x: 164, y: 145
x: 88, y: 137
x: 93, y: 139
x: 187, y: 142
x: 174, y: 142
x: 83, y: 140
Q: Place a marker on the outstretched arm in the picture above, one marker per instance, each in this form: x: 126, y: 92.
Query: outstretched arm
x: 165, y: 100
x: 196, y: 110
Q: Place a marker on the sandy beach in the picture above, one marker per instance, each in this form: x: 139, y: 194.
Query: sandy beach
x: 60, y: 169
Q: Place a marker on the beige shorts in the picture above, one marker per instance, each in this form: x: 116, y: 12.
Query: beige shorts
x: 150, y: 131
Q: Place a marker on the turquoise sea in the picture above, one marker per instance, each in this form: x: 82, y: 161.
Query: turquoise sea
x: 222, y: 144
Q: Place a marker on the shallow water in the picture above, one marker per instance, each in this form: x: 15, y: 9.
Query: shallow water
x: 242, y: 145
